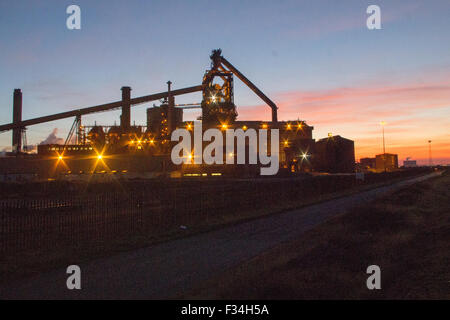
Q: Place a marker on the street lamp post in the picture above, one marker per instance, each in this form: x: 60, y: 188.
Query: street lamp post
x: 383, y: 123
x: 430, y: 162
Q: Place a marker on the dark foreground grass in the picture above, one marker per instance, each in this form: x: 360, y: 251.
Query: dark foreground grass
x: 406, y: 233
x: 28, y: 263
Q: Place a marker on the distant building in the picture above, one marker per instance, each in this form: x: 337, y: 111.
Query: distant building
x: 386, y: 162
x: 335, y: 155
x: 367, y: 163
x: 410, y: 163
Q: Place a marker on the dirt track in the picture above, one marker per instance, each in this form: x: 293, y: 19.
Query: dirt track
x: 164, y: 270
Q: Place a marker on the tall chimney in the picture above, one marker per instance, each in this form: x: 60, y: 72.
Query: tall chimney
x: 17, y: 118
x: 125, y: 118
x: 170, y: 107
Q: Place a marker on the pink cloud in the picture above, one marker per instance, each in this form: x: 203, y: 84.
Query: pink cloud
x: 414, y: 114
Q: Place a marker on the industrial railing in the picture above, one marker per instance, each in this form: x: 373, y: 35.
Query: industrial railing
x: 75, y: 219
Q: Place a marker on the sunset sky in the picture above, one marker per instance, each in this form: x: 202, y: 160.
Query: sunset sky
x: 316, y: 59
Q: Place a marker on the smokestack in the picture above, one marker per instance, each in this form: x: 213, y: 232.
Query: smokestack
x: 170, y: 107
x: 17, y: 118
x: 125, y: 118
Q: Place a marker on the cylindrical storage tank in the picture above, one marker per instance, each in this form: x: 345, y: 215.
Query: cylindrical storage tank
x: 154, y: 117
x: 96, y: 136
x: 114, y: 134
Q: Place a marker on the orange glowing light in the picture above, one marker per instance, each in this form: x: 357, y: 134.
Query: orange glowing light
x: 224, y: 126
x: 265, y: 126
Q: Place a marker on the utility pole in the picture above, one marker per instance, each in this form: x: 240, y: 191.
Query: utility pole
x: 383, y: 123
x: 430, y: 161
